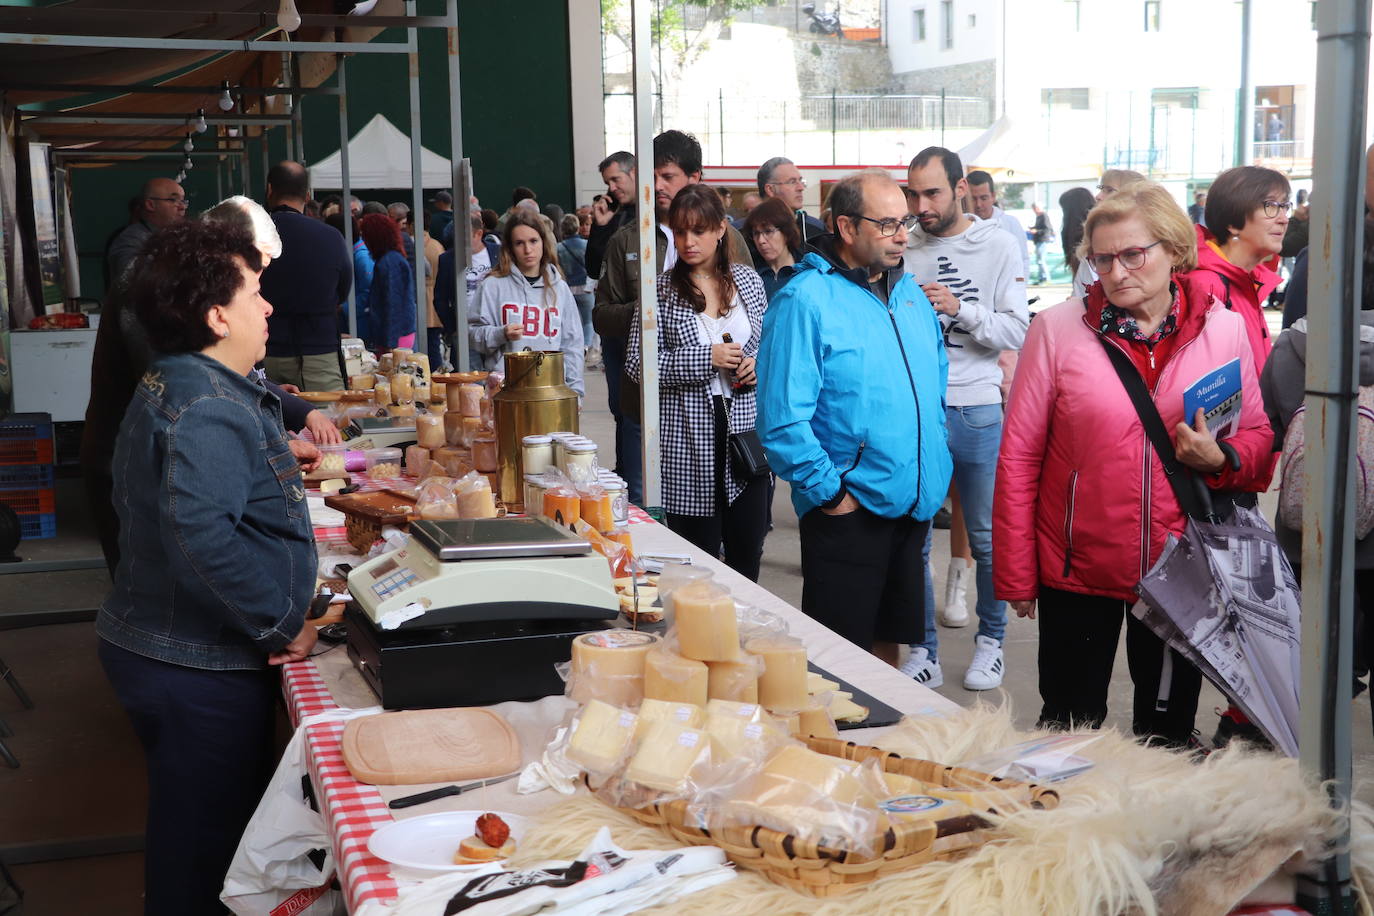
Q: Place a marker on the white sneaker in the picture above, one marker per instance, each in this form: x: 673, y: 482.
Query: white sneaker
x: 922, y: 669
x: 985, y: 671
x: 955, y: 611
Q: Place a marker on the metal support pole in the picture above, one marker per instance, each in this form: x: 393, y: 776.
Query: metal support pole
x: 1245, y: 105
x: 297, y: 115
x: 418, y: 181
x: 648, y: 255
x: 462, y: 195
x: 720, y: 114
x: 198, y: 44
x: 1332, y: 389
x: 219, y: 181
x: 291, y: 125
x: 346, y: 189
x: 266, y: 160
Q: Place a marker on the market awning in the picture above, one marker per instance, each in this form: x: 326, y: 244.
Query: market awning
x: 379, y: 157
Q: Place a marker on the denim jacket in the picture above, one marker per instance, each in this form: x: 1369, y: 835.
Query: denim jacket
x: 217, y: 559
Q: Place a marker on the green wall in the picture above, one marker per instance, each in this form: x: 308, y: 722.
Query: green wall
x: 517, y: 119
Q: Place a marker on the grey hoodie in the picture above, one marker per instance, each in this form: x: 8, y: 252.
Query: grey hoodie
x: 983, y: 268
x: 1283, y: 383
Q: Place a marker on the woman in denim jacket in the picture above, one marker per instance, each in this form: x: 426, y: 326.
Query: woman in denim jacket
x: 217, y: 558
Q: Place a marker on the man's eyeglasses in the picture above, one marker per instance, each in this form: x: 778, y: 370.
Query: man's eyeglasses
x: 1106, y: 189
x: 1272, y: 208
x: 792, y: 182
x: 888, y: 227
x: 1130, y: 258
x: 179, y: 201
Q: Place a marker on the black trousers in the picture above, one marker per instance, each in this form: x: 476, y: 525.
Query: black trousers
x: 862, y: 575
x: 208, y: 739
x: 737, y: 529
x: 1078, y: 638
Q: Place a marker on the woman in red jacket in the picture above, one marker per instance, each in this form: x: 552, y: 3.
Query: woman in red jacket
x: 1082, y: 506
x: 1246, y: 218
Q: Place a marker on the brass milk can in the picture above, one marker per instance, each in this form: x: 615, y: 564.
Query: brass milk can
x: 532, y: 401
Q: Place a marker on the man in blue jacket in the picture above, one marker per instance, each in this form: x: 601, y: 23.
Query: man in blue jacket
x: 852, y: 377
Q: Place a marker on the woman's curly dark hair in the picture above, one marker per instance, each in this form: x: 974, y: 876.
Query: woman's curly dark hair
x: 380, y: 234
x: 183, y: 271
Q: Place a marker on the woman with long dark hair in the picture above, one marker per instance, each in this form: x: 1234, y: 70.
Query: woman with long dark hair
x: 710, y: 321
x: 525, y: 303
x: 391, y: 298
x: 1074, y: 204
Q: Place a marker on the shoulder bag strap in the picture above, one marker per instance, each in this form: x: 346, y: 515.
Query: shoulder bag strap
x: 1181, y: 477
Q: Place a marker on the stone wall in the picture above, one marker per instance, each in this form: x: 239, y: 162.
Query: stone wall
x: 851, y: 67
x: 977, y: 79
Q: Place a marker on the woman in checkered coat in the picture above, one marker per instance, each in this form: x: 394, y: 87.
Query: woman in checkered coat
x: 710, y: 318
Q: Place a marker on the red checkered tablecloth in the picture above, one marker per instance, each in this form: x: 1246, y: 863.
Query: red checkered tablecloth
x: 352, y: 810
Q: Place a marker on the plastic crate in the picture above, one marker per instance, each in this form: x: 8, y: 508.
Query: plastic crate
x: 25, y: 451
x: 26, y: 426
x: 26, y: 475
x: 29, y: 500
x: 33, y: 527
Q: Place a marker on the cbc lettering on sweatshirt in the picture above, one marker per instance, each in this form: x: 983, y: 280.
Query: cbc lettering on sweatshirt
x: 534, y: 320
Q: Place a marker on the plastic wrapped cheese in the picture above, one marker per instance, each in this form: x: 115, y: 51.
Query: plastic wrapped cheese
x: 666, y: 755
x: 651, y: 711
x: 782, y: 685
x: 403, y: 387
x: 705, y: 622
x: 737, y: 681
x: 470, y: 400
x: 815, y: 722
x: 454, y: 461
x: 608, y: 665
x: 474, y: 497
x: 735, y: 738
x: 669, y: 676
x: 429, y: 430
x: 417, y: 460
x: 813, y: 796
x: 601, y: 737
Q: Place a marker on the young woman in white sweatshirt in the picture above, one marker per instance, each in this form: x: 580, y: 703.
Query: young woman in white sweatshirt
x: 525, y: 302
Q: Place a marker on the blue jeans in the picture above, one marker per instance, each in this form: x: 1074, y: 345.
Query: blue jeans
x: 975, y: 434
x: 1041, y: 266
x: 585, y: 301
x: 629, y: 460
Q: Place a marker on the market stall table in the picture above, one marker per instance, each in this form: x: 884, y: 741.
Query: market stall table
x: 353, y: 811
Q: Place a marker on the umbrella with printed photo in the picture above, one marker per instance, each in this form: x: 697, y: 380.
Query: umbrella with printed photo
x: 1225, y: 598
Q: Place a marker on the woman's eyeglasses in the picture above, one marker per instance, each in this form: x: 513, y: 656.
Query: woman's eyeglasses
x: 1130, y: 258
x: 1272, y: 208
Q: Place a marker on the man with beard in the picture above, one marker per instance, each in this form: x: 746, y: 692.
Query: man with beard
x: 970, y: 270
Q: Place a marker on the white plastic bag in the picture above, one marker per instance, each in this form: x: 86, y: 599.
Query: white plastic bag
x: 272, y: 864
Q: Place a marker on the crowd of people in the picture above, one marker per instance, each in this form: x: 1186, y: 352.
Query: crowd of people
x: 881, y: 359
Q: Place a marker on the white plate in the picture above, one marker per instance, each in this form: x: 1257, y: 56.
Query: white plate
x: 429, y: 842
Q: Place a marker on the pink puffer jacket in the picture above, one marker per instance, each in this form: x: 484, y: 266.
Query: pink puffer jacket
x: 1082, y: 503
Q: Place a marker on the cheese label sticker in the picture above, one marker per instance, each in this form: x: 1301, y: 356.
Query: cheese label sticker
x: 911, y: 804
x: 746, y: 710
x: 687, y: 739
x: 617, y: 639
x: 753, y: 731
x: 627, y: 719
x: 683, y: 713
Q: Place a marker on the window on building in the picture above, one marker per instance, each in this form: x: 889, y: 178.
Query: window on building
x: 973, y: 20
x: 1076, y: 99
x: 1152, y: 15
x: 918, y: 25
x: 1075, y: 14
x: 1313, y: 4
x: 946, y: 23
x: 1186, y: 97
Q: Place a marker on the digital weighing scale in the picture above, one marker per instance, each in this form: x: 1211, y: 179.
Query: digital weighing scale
x: 380, y: 432
x: 472, y: 612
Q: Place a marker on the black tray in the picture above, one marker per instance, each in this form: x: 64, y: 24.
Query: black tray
x: 879, y: 713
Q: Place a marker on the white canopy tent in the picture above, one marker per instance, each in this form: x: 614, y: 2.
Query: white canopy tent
x: 379, y: 157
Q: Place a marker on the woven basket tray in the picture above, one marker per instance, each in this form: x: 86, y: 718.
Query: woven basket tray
x: 820, y: 871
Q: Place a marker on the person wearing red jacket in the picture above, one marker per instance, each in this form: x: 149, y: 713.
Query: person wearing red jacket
x: 1244, y: 224
x: 1082, y: 506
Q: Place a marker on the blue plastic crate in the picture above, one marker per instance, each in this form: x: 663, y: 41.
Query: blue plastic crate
x: 26, y: 426
x: 33, y: 527
x: 26, y: 476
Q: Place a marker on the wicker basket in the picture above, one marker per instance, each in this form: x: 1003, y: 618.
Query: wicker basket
x: 820, y: 871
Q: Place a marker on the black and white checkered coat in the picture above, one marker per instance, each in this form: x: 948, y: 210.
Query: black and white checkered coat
x: 687, y: 429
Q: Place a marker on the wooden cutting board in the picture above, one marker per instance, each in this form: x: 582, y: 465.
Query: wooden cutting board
x: 430, y: 745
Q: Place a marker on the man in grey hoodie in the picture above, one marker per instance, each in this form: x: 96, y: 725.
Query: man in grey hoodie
x: 972, y: 273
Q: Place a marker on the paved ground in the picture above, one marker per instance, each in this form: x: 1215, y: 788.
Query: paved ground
x: 781, y: 574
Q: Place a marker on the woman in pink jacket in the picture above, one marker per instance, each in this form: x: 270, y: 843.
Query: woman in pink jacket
x: 1082, y: 506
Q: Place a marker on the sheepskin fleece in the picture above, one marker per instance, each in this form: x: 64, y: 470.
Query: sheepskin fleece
x: 1145, y: 832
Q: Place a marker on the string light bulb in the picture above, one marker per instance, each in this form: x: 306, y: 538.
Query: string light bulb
x: 288, y: 17
x: 226, y: 101
x: 200, y: 125
x: 187, y: 165
x: 181, y: 176
x: 188, y: 145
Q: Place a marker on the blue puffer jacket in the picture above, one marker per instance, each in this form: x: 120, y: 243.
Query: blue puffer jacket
x: 217, y: 557
x: 852, y: 391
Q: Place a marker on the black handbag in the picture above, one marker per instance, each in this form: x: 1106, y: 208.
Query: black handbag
x: 746, y: 451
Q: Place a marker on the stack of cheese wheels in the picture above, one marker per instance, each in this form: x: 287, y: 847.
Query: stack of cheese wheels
x: 609, y: 665
x: 782, y: 685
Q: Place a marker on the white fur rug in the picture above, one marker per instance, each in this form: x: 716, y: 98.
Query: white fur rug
x: 1144, y: 832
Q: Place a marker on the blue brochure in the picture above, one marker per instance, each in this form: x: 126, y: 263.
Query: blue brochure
x: 1218, y: 394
